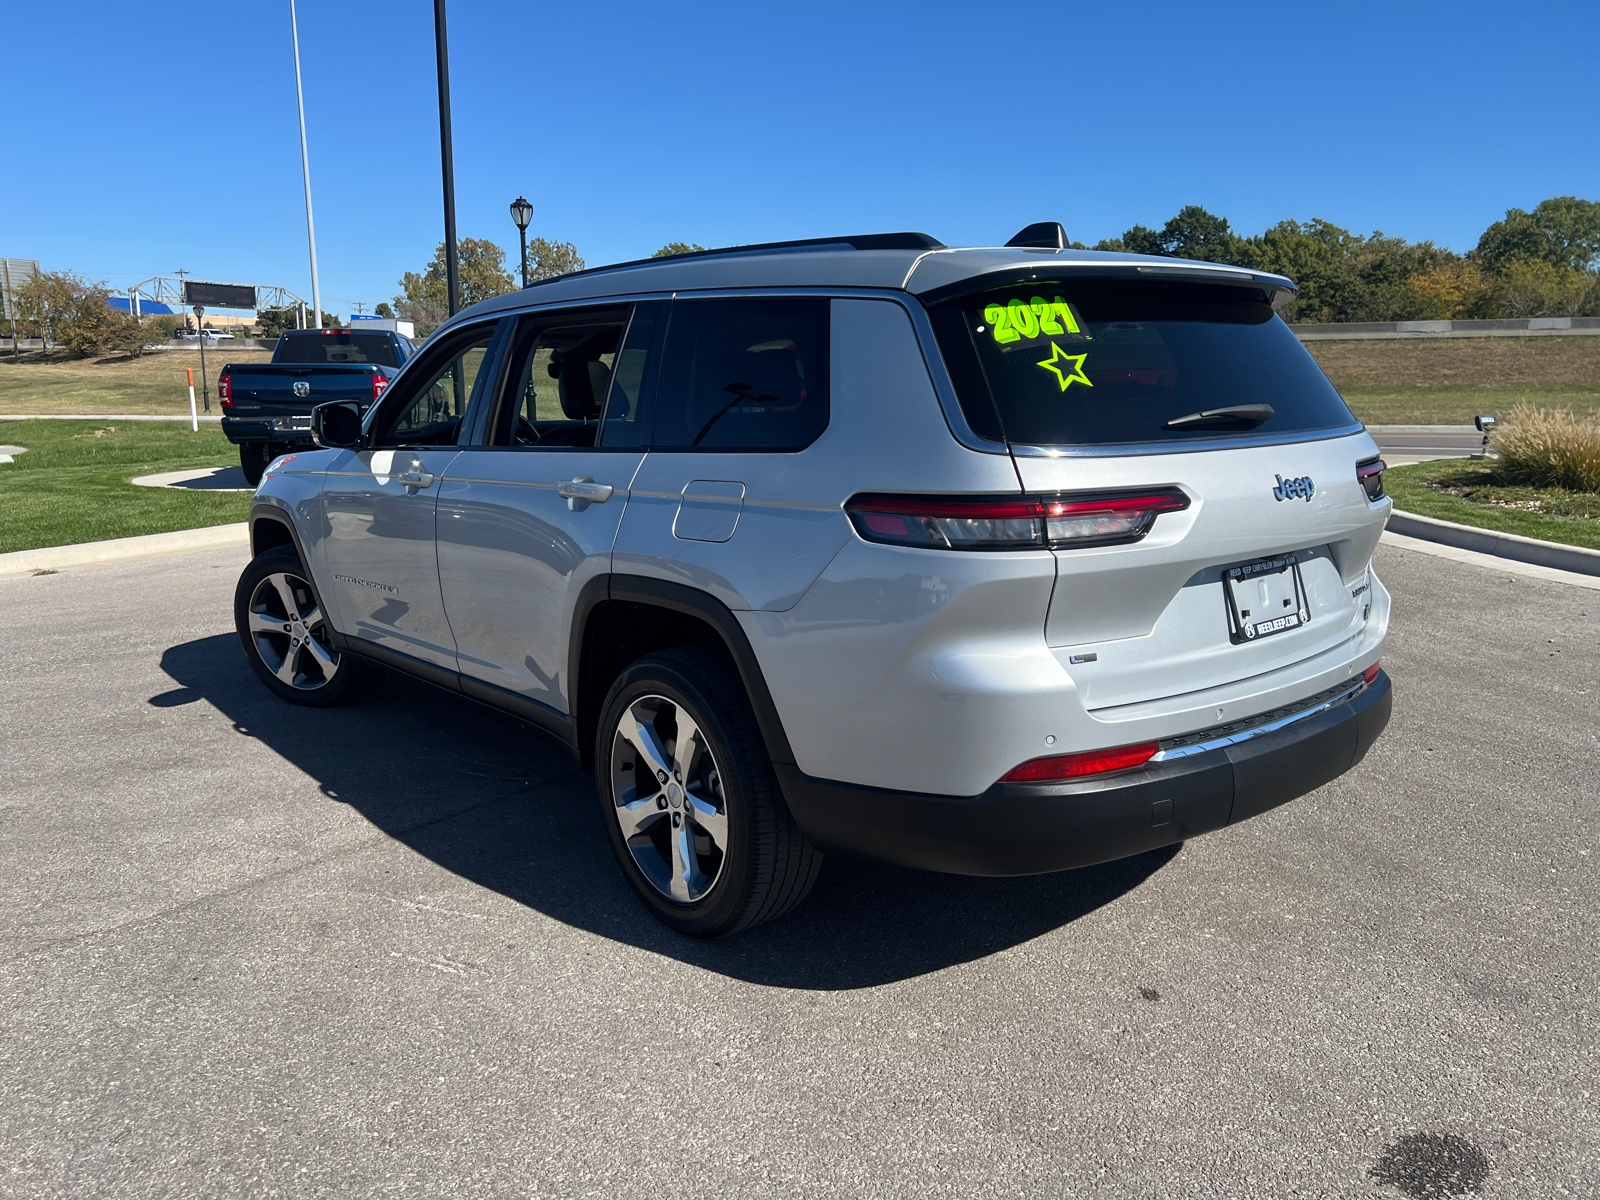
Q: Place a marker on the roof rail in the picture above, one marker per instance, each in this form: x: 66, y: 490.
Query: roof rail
x: 859, y: 241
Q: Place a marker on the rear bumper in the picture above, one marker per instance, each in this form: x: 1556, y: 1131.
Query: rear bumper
x: 245, y: 429
x: 1017, y: 829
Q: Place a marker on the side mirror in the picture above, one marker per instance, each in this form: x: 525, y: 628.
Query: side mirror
x: 337, y: 425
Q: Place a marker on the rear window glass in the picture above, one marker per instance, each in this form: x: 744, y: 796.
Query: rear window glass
x: 744, y: 374
x: 1097, y: 362
x: 375, y: 348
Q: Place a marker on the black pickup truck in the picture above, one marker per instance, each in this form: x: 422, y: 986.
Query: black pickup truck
x: 266, y: 407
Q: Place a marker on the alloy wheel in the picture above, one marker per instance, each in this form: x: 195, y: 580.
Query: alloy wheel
x: 290, y: 634
x: 669, y: 798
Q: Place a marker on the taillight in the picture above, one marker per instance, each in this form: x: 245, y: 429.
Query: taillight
x: 1075, y: 766
x: 379, y: 382
x: 1370, y: 673
x: 225, y: 390
x: 1058, y: 522
x: 1370, y: 475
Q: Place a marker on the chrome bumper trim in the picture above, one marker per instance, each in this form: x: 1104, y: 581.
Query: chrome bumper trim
x: 1234, y: 732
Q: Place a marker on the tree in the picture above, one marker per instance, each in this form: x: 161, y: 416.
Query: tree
x: 1142, y: 240
x: 1196, y: 233
x: 548, y: 259
x: 274, y: 321
x: 76, y: 313
x: 383, y: 310
x: 1451, y: 290
x: 425, y: 298
x: 1531, y: 287
x: 674, y: 248
x: 1563, y: 231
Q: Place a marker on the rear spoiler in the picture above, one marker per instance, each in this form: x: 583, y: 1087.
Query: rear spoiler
x: 1279, y: 290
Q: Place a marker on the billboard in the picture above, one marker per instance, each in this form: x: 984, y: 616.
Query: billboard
x: 219, y: 295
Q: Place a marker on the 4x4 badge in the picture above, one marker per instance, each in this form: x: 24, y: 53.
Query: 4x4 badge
x: 1301, y: 487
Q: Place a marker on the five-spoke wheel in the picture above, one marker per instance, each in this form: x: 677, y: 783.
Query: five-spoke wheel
x: 668, y: 798
x: 285, y: 633
x: 689, y: 798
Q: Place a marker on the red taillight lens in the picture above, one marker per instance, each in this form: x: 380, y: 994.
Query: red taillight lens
x: 225, y: 390
x: 1370, y: 673
x: 1075, y: 766
x: 1370, y: 476
x: 1011, y: 522
x: 379, y: 382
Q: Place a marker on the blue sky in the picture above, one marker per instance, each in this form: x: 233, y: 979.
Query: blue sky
x: 145, y: 138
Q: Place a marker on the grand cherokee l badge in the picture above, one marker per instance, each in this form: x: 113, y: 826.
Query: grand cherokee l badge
x: 1302, y: 487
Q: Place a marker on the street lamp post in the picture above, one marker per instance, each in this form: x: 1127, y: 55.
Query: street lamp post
x: 522, y: 214
x: 205, y: 387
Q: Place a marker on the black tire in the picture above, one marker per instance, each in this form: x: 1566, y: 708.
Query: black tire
x: 766, y: 866
x: 253, y: 458
x: 296, y: 662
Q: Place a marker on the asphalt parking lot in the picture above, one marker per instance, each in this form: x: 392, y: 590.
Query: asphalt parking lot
x: 254, y: 950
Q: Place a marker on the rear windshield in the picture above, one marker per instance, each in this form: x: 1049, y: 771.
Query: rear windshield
x: 1104, y: 361
x: 326, y: 347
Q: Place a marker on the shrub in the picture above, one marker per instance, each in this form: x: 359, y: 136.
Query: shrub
x: 1550, y: 448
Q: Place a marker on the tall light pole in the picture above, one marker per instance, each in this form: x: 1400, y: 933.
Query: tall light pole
x: 452, y: 265
x: 205, y: 386
x: 522, y: 214
x: 305, y: 169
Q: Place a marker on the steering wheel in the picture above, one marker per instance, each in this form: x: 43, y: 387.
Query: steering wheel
x: 526, y: 434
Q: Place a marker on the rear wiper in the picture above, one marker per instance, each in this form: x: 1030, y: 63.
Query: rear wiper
x: 1236, y: 414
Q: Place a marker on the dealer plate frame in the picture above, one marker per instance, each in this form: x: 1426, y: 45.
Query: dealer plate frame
x: 1243, y: 625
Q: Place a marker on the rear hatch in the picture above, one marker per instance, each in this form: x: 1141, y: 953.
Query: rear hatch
x: 1116, y: 386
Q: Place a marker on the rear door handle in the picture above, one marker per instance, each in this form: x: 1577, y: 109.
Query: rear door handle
x: 583, y: 491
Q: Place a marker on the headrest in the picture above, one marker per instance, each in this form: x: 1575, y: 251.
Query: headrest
x: 581, y: 384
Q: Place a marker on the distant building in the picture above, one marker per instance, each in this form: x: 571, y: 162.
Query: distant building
x: 14, y: 272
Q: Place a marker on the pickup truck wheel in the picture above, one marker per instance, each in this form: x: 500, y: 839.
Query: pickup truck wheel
x: 254, y: 457
x: 285, y: 634
x: 689, y: 798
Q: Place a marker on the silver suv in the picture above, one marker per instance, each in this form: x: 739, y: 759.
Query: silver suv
x: 989, y: 561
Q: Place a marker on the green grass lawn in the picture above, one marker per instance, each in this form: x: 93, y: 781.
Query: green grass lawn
x: 1411, y: 491
x: 1450, y: 381
x: 154, y: 383
x: 72, y: 484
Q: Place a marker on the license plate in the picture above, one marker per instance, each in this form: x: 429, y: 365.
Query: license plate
x: 1264, y: 598
x: 292, y: 422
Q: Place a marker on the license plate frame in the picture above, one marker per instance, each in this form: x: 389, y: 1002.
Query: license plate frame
x: 1278, y: 604
x: 297, y: 423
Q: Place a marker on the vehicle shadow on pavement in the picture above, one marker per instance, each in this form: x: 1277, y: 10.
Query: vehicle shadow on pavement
x: 497, y: 803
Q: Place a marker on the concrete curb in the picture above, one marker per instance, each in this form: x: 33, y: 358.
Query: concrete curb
x: 1499, y: 545
x: 204, y: 420
x: 129, y: 549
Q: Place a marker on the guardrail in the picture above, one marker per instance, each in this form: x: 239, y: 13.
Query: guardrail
x: 1375, y: 331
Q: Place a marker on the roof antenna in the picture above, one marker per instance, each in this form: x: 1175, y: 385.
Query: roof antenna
x: 1042, y: 235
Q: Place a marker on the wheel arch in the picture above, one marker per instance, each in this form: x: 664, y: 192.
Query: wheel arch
x: 620, y: 618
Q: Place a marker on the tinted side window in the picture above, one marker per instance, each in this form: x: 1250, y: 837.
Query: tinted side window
x: 744, y: 374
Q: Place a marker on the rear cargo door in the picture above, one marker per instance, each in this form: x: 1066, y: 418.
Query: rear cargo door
x: 1154, y: 381
x: 1241, y: 583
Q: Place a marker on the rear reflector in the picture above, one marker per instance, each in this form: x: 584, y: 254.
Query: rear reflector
x: 1370, y: 475
x: 1370, y: 673
x: 1058, y: 522
x: 1074, y: 766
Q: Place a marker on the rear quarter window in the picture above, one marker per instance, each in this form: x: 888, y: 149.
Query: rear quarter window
x: 749, y: 373
x: 1109, y: 361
